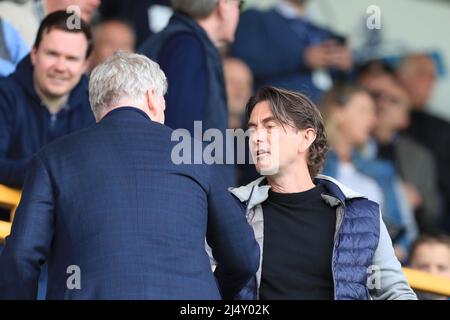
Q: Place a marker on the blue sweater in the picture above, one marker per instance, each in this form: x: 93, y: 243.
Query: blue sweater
x: 26, y: 125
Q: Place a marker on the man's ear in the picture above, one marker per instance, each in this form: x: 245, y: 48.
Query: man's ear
x: 86, y: 64
x: 221, y: 8
x: 308, y: 138
x: 152, y: 104
x: 33, y: 56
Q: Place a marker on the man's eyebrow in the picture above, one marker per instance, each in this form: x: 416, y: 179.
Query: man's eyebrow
x: 55, y: 52
x: 268, y: 119
x: 52, y: 51
x: 264, y: 121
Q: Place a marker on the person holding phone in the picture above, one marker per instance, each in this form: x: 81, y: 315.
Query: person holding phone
x: 302, y: 57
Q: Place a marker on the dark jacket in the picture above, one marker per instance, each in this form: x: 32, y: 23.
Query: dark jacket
x: 274, y: 46
x: 26, y: 125
x: 194, y: 70
x: 110, y: 200
x: 363, y: 264
x: 204, y: 79
x: 434, y: 133
x: 421, y: 172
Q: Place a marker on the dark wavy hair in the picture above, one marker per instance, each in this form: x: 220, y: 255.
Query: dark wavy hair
x: 58, y: 20
x: 297, y: 110
x: 428, y: 238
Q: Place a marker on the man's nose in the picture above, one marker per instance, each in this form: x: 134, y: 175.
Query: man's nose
x: 60, y: 64
x: 259, y: 136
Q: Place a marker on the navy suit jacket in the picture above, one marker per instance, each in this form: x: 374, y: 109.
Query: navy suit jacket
x: 110, y: 201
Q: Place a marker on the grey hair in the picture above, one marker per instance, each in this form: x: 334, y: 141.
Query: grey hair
x: 196, y: 9
x: 124, y: 76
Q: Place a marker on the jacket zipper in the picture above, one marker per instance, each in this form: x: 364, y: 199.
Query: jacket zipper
x: 53, y: 118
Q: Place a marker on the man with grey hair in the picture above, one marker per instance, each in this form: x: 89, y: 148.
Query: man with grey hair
x: 112, y: 214
x: 187, y: 50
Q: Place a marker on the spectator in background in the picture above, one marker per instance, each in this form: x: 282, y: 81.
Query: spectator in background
x: 110, y: 36
x: 46, y: 97
x: 147, y: 16
x: 187, y: 50
x: 350, y: 118
x: 26, y: 16
x: 284, y: 49
x: 418, y: 75
x: 431, y: 253
x: 414, y: 163
x: 239, y: 86
x: 12, y: 48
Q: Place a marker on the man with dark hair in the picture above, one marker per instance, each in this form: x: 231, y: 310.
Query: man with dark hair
x: 46, y: 97
x: 318, y: 238
x: 431, y: 253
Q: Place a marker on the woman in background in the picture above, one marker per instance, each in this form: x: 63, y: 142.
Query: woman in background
x: 350, y: 116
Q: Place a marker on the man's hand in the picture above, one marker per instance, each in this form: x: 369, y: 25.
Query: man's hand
x: 329, y: 54
x: 316, y: 57
x: 340, y: 58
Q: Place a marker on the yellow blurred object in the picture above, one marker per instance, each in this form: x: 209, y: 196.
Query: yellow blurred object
x: 426, y: 282
x: 418, y: 280
x: 9, y: 199
x: 5, y: 230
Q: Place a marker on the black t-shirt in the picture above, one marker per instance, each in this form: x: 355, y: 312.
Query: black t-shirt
x: 298, y: 246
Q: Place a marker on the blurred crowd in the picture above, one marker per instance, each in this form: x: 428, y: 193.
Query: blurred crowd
x: 384, y: 143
